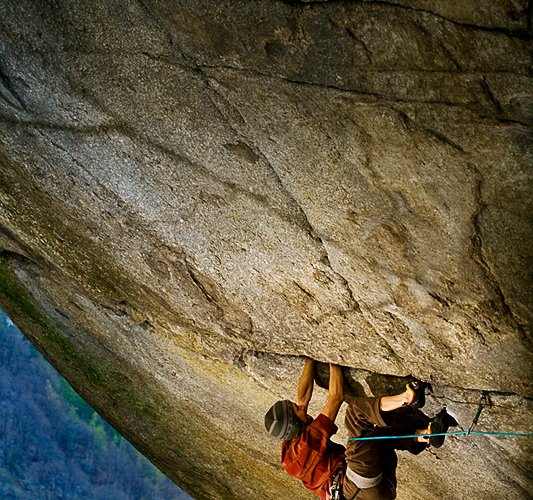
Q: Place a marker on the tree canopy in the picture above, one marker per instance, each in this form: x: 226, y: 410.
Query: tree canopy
x: 53, y: 445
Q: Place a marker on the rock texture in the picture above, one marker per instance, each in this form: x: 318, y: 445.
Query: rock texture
x: 196, y: 194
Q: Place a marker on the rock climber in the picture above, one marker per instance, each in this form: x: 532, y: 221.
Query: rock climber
x: 364, y: 470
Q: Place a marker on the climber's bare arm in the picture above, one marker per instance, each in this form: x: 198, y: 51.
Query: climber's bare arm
x: 336, y: 392
x: 305, y: 385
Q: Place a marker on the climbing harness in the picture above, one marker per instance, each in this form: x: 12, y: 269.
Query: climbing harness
x: 335, y: 490
x: 484, y: 401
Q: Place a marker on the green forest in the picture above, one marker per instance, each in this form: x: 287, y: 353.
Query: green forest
x: 53, y: 445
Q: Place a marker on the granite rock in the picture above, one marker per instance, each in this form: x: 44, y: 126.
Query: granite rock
x: 195, y: 195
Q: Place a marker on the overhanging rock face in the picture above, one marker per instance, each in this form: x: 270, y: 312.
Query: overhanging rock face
x: 196, y: 194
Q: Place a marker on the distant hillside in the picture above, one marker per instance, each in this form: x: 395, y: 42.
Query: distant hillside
x: 55, y: 446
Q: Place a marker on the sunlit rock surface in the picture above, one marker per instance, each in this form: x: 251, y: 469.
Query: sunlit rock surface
x: 196, y: 194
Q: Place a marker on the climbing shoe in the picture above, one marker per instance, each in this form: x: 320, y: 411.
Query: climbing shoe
x: 418, y: 388
x: 441, y: 423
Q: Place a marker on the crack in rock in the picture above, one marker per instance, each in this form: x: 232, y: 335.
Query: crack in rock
x: 354, y: 305
x: 302, y: 216
x: 367, y: 97
x: 478, y: 253
x: 353, y: 374
x: 9, y: 92
x: 520, y: 33
x: 361, y: 42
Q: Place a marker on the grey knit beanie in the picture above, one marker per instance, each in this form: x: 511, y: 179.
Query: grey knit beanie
x: 282, y: 422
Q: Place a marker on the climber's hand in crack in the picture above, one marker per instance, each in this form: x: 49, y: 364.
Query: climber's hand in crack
x: 305, y: 392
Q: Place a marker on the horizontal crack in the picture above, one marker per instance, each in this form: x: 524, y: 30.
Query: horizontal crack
x: 479, y: 393
x: 520, y: 33
x: 476, y: 393
x: 368, y: 97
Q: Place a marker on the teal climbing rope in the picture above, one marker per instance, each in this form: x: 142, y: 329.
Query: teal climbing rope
x: 454, y: 433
